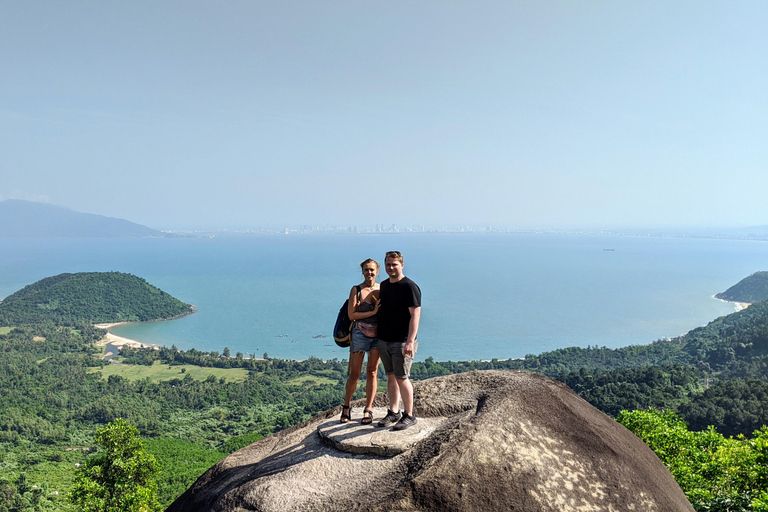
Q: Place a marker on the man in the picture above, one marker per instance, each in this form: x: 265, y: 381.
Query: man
x: 398, y: 319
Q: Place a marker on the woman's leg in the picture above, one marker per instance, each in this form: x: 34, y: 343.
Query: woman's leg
x: 355, y: 367
x: 371, y: 383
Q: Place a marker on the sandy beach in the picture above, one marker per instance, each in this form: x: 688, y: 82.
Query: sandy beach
x: 737, y: 306
x: 120, y: 341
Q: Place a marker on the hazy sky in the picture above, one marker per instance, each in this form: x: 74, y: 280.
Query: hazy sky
x: 256, y: 113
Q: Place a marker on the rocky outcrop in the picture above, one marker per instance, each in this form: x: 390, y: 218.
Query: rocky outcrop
x: 492, y: 440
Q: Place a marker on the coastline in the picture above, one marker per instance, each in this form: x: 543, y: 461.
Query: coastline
x: 119, y: 341
x: 737, y: 306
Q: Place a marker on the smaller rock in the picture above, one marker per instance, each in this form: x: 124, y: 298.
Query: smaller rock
x: 353, y: 437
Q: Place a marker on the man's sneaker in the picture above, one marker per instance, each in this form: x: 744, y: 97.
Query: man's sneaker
x: 390, y: 419
x: 405, y: 422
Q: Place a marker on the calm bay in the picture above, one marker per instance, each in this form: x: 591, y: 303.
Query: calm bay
x: 484, y: 295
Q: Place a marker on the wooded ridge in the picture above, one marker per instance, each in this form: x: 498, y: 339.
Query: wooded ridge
x: 90, y: 297
x: 750, y: 289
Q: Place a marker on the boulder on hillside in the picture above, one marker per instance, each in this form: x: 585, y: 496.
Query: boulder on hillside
x: 492, y: 440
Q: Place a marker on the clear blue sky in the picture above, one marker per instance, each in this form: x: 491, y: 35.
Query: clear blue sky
x: 254, y: 113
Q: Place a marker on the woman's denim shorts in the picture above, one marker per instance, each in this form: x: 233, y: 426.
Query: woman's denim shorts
x: 361, y: 343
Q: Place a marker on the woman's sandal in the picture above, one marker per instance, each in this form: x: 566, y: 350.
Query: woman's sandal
x: 345, y: 416
x: 367, y: 417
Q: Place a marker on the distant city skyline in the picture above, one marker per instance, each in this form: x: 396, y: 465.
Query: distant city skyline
x: 21, y: 218
x: 240, y: 115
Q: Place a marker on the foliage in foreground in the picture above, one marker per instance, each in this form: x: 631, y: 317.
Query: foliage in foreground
x: 53, y: 401
x: 121, y: 478
x: 181, y: 464
x: 716, y: 473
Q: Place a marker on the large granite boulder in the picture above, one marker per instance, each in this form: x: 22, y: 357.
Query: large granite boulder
x: 485, y: 441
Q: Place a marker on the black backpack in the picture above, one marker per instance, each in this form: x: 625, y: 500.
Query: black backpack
x: 342, y: 331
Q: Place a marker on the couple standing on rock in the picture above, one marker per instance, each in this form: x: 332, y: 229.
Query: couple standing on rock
x: 386, y: 320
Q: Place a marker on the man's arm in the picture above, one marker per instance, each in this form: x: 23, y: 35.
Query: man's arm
x: 413, y: 329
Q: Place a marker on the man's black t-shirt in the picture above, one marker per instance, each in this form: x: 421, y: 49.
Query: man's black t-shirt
x: 394, y: 315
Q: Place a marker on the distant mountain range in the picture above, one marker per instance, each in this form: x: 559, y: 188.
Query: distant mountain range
x: 30, y: 219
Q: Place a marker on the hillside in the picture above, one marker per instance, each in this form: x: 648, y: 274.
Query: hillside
x: 30, y: 219
x: 750, y: 289
x: 89, y: 297
x: 198, y: 406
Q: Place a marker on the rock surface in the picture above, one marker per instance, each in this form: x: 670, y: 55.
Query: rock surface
x: 485, y: 441
x: 372, y: 440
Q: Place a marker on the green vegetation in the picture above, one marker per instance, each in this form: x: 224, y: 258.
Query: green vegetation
x: 89, y: 297
x: 310, y: 381
x: 121, y: 477
x: 717, y: 474
x: 195, y: 407
x: 750, y: 289
x: 57, y: 397
x: 160, y: 372
x: 182, y: 462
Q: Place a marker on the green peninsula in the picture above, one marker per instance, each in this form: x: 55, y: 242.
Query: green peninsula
x: 91, y: 298
x: 750, y: 289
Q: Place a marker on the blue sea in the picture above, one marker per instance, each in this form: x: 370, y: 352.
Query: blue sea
x: 484, y: 295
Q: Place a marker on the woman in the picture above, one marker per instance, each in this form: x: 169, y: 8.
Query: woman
x: 363, y: 306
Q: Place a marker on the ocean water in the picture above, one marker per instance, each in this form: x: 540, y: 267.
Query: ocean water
x: 484, y: 296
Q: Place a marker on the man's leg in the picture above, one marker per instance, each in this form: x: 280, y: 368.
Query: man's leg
x: 406, y: 393
x: 393, y: 396
x: 393, y: 393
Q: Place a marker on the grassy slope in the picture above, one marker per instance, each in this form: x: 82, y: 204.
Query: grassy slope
x: 163, y: 372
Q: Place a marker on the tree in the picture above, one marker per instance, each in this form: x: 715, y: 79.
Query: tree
x: 121, y: 478
x: 716, y: 473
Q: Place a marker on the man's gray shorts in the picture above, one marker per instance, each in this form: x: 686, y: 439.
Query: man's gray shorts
x: 393, y: 359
